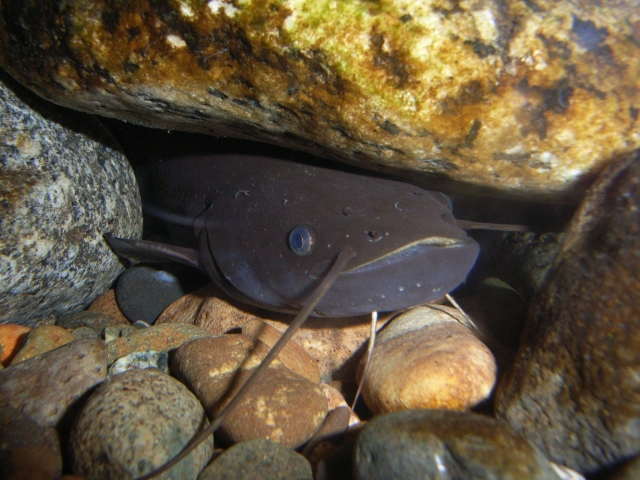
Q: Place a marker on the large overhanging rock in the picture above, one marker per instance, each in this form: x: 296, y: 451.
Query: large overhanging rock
x: 530, y: 96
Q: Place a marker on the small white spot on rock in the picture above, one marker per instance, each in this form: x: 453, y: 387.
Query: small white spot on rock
x: 176, y: 41
x: 216, y: 5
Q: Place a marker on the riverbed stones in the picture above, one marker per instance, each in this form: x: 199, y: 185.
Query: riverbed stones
x: 42, y: 339
x: 259, y: 459
x: 573, y: 388
x: 525, y: 96
x: 162, y: 338
x: 425, y: 358
x: 64, y: 183
x: 133, y: 423
x: 44, y: 387
x: 282, y: 405
x: 423, y: 443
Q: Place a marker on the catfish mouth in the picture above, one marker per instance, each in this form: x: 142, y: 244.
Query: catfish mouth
x: 400, y: 255
x: 412, y: 249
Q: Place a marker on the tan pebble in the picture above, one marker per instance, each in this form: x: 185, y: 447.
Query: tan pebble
x: 106, y: 303
x: 426, y: 359
x: 331, y: 343
x: 41, y: 340
x: 281, y: 406
x: 336, y: 400
x: 292, y: 355
x: 186, y: 308
x: 12, y: 336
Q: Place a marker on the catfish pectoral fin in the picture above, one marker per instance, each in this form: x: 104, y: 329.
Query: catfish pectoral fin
x: 147, y: 251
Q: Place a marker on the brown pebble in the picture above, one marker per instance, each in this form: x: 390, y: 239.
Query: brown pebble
x: 292, y: 355
x: 106, y: 303
x: 12, y: 337
x: 41, y: 340
x: 282, y: 405
x: 44, y: 387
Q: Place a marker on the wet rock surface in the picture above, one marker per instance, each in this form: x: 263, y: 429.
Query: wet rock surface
x: 427, y: 443
x: 258, y: 460
x: 42, y: 339
x: 281, y: 406
x: 161, y: 338
x: 44, y: 387
x: 573, y: 388
x: 143, y: 293
x: 515, y: 95
x: 140, y: 360
x: 133, y: 423
x: 64, y: 183
x: 27, y: 449
x: 425, y: 358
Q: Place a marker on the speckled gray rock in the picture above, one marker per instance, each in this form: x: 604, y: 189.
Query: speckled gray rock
x: 27, y: 450
x: 573, y: 388
x: 258, y: 460
x: 64, y: 183
x: 133, y: 423
x: 421, y: 443
x: 44, y: 387
x: 140, y: 360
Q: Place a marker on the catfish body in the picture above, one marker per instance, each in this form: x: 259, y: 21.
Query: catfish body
x: 267, y: 230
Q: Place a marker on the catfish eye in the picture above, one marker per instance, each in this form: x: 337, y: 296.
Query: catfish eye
x: 302, y: 239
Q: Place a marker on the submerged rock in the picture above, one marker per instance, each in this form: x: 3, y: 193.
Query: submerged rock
x: 445, y: 444
x: 44, y: 387
x: 260, y: 459
x: 136, y: 421
x: 573, y: 389
x: 425, y: 358
x: 525, y: 96
x: 64, y: 184
x: 281, y: 406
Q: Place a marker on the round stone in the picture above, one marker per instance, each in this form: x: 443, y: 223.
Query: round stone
x: 143, y: 293
x: 258, y: 460
x: 135, y: 422
x: 445, y: 444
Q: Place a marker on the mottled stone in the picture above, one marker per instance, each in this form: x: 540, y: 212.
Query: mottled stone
x: 44, y: 387
x: 133, y: 423
x: 143, y: 293
x: 94, y: 320
x: 64, y: 184
x: 425, y: 358
x: 423, y: 443
x: 573, y: 388
x: 521, y: 95
x: 141, y: 360
x: 292, y: 355
x: 84, y: 332
x: 162, y: 338
x: 41, y: 340
x: 258, y: 460
x: 27, y: 450
x: 106, y: 303
x: 12, y: 336
x: 281, y: 405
